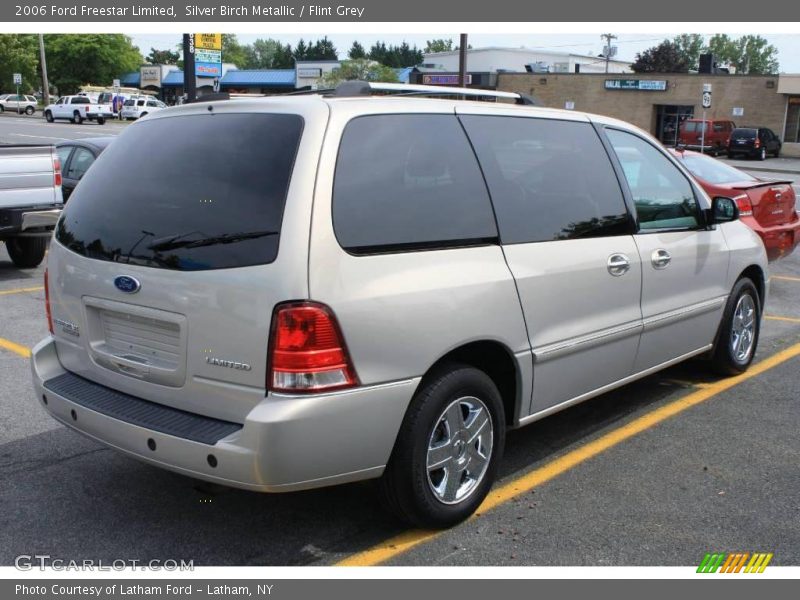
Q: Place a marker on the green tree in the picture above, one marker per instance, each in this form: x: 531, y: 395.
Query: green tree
x: 19, y: 54
x: 664, y: 58
x: 162, y: 57
x: 356, y: 51
x: 438, y: 45
x: 269, y: 54
x: 234, y: 52
x: 750, y: 54
x: 74, y: 60
x: 301, y: 50
x: 362, y: 69
x: 690, y: 46
x: 322, y: 50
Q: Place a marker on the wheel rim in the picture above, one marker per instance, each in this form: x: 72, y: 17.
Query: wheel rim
x: 763, y: 153
x: 743, y: 328
x: 459, y: 450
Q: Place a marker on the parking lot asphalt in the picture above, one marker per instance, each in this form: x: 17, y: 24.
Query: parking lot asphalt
x: 23, y: 129
x: 656, y: 473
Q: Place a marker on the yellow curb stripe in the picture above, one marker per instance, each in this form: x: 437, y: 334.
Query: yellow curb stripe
x: 20, y: 290
x: 785, y: 278
x: 786, y: 319
x: 405, y: 541
x: 16, y: 348
x: 766, y: 562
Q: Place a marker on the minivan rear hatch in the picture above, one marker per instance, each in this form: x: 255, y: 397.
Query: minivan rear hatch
x: 167, y: 267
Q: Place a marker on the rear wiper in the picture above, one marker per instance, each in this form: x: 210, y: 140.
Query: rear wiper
x: 172, y: 243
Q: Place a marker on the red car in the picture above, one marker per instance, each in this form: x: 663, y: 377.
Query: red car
x: 767, y: 207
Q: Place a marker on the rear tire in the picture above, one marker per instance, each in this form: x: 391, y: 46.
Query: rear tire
x: 77, y: 118
x: 456, y: 422
x: 27, y: 252
x: 762, y: 154
x: 29, y: 110
x: 737, y: 339
x: 101, y: 120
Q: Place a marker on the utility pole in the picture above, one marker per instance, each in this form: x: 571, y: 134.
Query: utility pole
x: 607, y: 50
x: 462, y: 61
x: 45, y: 84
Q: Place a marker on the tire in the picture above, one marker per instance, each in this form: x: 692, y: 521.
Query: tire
x: 29, y: 110
x: 778, y: 153
x: 729, y: 356
x: 762, y: 154
x: 144, y: 114
x: 2, y: 109
x: 27, y: 252
x: 452, y: 404
x: 48, y: 116
x: 101, y: 120
x: 77, y: 118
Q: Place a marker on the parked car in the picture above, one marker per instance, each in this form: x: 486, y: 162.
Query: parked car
x: 71, y: 108
x: 356, y: 287
x: 100, y: 112
x: 137, y: 107
x: 76, y: 157
x: 754, y: 142
x: 18, y: 103
x: 30, y: 201
x: 709, y: 136
x: 767, y: 207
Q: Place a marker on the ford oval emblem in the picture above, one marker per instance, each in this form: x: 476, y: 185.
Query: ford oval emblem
x: 126, y: 284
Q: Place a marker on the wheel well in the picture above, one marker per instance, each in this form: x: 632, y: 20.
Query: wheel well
x: 756, y: 275
x: 498, y: 363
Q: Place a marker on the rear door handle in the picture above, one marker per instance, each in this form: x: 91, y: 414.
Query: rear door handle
x: 660, y: 259
x: 618, y: 264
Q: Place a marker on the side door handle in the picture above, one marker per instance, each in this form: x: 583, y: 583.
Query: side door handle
x: 660, y: 259
x: 618, y: 264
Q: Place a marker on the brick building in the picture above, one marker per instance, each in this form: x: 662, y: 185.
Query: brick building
x: 657, y: 102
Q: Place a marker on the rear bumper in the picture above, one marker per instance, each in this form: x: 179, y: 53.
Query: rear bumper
x: 286, y: 442
x: 30, y: 220
x: 780, y: 240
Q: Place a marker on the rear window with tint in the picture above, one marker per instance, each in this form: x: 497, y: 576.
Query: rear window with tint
x: 187, y: 193
x: 747, y: 134
x: 407, y: 182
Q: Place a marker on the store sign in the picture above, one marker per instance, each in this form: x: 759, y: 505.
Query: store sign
x: 208, y: 69
x: 645, y: 85
x: 208, y: 41
x: 738, y: 111
x: 150, y: 76
x: 569, y: 105
x: 207, y: 56
x: 309, y: 73
x: 445, y: 80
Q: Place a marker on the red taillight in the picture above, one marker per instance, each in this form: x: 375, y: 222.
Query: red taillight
x: 307, y: 351
x: 745, y: 206
x: 47, y: 302
x: 758, y: 143
x: 728, y: 142
x: 57, y: 171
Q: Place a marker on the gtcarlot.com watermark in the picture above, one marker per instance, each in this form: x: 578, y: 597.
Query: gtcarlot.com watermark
x: 29, y: 562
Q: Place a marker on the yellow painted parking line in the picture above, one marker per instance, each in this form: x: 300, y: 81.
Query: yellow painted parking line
x: 405, y: 541
x: 20, y: 290
x: 777, y: 318
x: 16, y: 348
x: 785, y: 278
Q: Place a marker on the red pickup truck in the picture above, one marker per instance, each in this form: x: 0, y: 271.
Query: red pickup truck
x: 709, y: 136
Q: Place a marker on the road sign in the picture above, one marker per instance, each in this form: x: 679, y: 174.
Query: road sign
x: 706, y: 100
x: 115, y: 84
x: 17, y: 78
x: 707, y: 87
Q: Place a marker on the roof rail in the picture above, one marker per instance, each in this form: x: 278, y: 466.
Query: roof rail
x: 367, y: 88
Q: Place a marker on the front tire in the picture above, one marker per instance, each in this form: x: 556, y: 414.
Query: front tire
x: 446, y: 455
x: 27, y: 252
x: 48, y: 116
x: 29, y: 110
x: 737, y: 339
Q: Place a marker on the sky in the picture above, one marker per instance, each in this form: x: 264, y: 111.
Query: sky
x: 629, y: 44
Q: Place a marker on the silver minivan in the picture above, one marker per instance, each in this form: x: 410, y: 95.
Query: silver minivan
x: 292, y: 292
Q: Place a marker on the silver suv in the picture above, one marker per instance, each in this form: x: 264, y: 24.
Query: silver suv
x: 300, y: 291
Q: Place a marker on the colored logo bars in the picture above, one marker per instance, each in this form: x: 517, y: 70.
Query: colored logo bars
x: 735, y: 562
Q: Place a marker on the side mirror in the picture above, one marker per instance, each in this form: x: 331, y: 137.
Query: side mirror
x: 723, y: 210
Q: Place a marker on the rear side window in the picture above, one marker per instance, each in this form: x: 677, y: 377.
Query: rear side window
x: 409, y: 182
x: 549, y: 180
x: 208, y: 193
x: 81, y: 100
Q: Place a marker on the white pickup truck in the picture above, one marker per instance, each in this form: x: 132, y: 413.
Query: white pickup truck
x: 30, y: 201
x: 71, y: 108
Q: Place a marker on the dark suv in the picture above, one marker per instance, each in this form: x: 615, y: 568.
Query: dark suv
x: 753, y: 142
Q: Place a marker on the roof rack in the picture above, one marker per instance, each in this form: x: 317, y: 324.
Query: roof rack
x: 349, y: 89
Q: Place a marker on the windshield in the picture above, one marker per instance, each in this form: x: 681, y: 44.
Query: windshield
x: 713, y: 170
x: 208, y: 193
